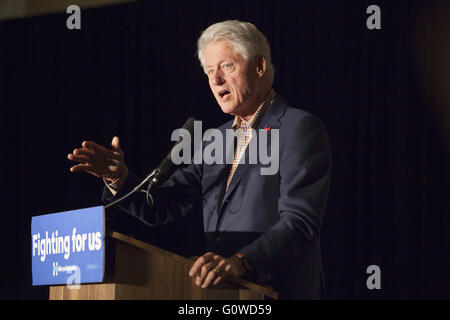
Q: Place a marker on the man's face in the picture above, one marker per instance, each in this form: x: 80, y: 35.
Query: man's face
x: 231, y: 78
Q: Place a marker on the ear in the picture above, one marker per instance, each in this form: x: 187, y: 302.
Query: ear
x: 260, y: 62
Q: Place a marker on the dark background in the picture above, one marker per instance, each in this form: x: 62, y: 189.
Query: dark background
x: 131, y: 71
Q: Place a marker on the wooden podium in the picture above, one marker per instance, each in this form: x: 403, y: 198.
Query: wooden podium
x: 138, y: 270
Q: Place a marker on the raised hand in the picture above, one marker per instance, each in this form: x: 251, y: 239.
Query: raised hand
x: 98, y: 160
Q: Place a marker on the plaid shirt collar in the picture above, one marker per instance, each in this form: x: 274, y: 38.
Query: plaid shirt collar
x: 256, y: 117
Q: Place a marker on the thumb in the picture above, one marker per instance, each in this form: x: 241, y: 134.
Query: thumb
x: 115, y: 144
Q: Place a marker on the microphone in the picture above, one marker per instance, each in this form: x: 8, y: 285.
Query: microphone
x: 159, y: 174
x: 166, y: 164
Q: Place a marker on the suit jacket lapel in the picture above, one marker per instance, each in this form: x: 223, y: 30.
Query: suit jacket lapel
x: 271, y: 119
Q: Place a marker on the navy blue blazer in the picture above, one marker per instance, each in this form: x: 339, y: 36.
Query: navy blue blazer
x: 275, y: 220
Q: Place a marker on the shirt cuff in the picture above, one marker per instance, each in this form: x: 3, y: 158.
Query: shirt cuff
x: 115, y: 184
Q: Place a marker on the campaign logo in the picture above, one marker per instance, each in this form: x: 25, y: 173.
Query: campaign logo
x: 55, y: 269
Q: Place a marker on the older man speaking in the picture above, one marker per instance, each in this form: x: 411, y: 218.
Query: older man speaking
x: 262, y: 227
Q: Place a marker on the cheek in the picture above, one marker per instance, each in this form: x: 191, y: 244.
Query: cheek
x: 211, y: 86
x: 241, y: 85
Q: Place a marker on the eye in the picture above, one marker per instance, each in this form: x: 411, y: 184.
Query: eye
x: 227, y: 67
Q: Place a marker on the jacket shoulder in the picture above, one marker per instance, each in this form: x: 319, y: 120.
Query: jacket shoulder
x: 295, y: 116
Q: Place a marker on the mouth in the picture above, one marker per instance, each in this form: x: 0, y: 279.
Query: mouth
x: 224, y: 94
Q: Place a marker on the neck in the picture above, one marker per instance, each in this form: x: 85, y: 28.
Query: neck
x: 260, y: 98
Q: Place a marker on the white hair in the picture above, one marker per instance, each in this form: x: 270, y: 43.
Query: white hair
x: 246, y: 39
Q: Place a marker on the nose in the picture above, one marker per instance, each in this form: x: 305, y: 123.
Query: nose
x: 217, y: 78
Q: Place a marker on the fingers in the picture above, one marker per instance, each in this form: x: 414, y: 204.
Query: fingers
x: 115, y: 144
x: 80, y: 167
x: 222, y: 273
x: 81, y: 155
x: 117, y: 150
x: 196, y: 267
x: 86, y: 168
x: 215, y: 275
x: 94, y: 146
x: 72, y: 157
x: 83, y: 151
x: 95, y: 149
x: 209, y: 268
x: 204, y: 271
x: 91, y: 150
x: 98, y: 160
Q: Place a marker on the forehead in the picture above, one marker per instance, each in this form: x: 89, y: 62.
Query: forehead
x: 217, y: 51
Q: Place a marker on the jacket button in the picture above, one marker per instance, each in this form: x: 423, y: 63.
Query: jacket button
x: 218, y: 240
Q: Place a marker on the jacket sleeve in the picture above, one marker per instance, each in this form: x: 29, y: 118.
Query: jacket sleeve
x: 174, y: 200
x: 305, y: 166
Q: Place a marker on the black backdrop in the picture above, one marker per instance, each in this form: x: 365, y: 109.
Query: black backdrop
x: 131, y: 71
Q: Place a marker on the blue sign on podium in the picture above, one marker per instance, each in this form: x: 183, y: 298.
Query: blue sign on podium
x: 68, y: 247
